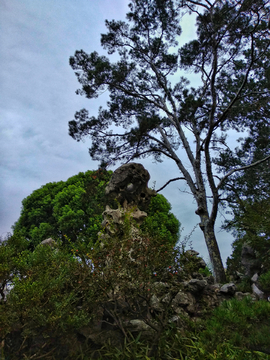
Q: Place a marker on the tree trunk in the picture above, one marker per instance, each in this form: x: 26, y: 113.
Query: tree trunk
x: 207, y: 227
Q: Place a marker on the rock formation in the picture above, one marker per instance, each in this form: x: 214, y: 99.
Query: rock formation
x: 128, y: 186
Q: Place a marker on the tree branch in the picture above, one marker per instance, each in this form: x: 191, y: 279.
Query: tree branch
x: 241, y: 168
x: 167, y: 183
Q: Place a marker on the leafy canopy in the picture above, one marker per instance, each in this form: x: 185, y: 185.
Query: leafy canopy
x: 73, y: 210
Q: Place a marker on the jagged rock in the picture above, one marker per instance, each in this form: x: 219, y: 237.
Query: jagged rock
x: 256, y: 291
x: 197, y: 276
x: 155, y: 303
x: 177, y: 320
x: 161, y: 287
x: 49, y: 242
x: 249, y: 261
x: 166, y: 299
x: 239, y: 275
x: 114, y: 218
x: 199, y: 263
x: 129, y: 186
x: 202, y: 263
x: 255, y: 278
x: 229, y: 289
x: 196, y: 285
x: 210, y: 280
x: 192, y: 253
x: 183, y: 299
x: 138, y: 325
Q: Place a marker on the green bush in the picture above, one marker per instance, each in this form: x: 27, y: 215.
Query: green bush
x: 57, y: 291
x: 244, y: 324
x: 160, y: 222
x: 72, y: 208
x: 265, y: 281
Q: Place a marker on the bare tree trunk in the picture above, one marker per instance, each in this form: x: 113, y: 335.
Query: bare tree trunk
x: 207, y: 227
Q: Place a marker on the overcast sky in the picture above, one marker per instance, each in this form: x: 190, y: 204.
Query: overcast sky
x: 37, y: 88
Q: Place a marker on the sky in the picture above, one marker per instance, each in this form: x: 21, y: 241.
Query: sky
x: 37, y: 100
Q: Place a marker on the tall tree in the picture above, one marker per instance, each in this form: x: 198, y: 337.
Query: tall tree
x: 248, y: 195
x: 159, y: 113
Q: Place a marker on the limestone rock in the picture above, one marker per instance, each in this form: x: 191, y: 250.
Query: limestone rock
x: 249, y: 261
x: 128, y: 186
x: 257, y: 291
x: 255, y: 278
x: 229, y: 289
x: 196, y: 285
x: 49, y: 242
x: 155, y: 303
x: 192, y: 253
x: 139, y: 325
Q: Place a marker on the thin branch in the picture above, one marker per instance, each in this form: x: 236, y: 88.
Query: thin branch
x: 168, y: 182
x: 241, y: 168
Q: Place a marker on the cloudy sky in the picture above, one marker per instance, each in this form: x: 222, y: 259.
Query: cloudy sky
x: 37, y: 88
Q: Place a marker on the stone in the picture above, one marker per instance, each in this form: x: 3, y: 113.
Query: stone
x: 49, y: 242
x: 196, y: 285
x: 229, y: 289
x: 166, y: 299
x: 139, y: 325
x: 128, y: 186
x: 256, y: 291
x: 249, y: 261
x: 192, y: 253
x: 202, y: 263
x: 255, y: 278
x: 210, y: 280
x: 182, y: 299
x: 155, y: 303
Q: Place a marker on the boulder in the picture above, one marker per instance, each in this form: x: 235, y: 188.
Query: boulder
x: 256, y: 291
x: 228, y: 289
x: 255, y: 278
x: 249, y: 260
x: 49, y: 242
x: 138, y: 325
x: 196, y: 285
x: 128, y: 186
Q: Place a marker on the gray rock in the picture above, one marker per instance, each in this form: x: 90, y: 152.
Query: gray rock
x: 192, y: 253
x: 256, y: 291
x: 139, y: 325
x: 49, y: 242
x: 129, y: 186
x: 155, y: 303
x: 166, y: 299
x: 249, y: 261
x: 182, y: 299
x: 196, y: 285
x: 229, y: 289
x: 202, y: 263
x: 255, y: 278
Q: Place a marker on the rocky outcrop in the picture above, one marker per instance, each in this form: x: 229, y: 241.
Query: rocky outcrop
x: 249, y: 261
x: 50, y: 242
x: 114, y: 219
x: 129, y: 186
x: 176, y: 300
